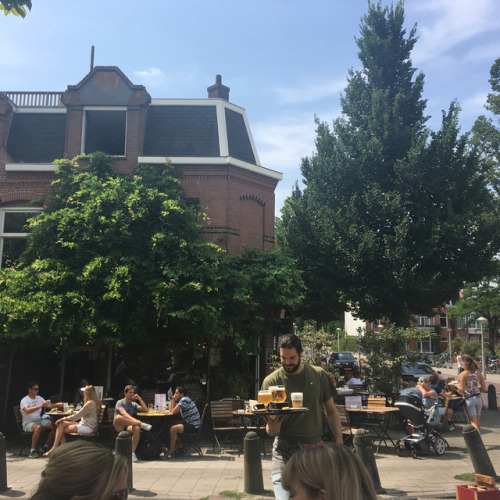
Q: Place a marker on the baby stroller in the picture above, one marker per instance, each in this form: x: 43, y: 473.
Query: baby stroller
x: 426, y: 425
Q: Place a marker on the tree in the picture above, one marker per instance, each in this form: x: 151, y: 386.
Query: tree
x: 483, y: 299
x: 15, y: 7
x: 119, y: 259
x: 393, y: 217
x: 486, y: 135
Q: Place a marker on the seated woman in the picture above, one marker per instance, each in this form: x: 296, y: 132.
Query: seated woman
x: 327, y: 472
x: 83, y: 470
x: 88, y: 416
x: 429, y: 399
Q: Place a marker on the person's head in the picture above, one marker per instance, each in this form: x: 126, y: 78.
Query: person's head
x: 33, y: 388
x: 424, y: 382
x: 469, y: 364
x: 347, y: 376
x: 327, y: 472
x: 89, y: 394
x: 323, y: 364
x: 83, y: 470
x: 434, y: 378
x: 290, y: 351
x: 180, y: 392
x: 129, y: 392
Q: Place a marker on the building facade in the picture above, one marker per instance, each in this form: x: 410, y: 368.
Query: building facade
x: 208, y: 141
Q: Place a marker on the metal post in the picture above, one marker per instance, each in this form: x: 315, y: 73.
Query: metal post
x: 123, y: 445
x: 363, y: 444
x: 252, y: 471
x: 482, y: 320
x: 338, y: 339
x: 449, y: 344
x: 3, y: 464
x: 478, y: 454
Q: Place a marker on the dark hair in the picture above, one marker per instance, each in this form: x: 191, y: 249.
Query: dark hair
x: 32, y: 383
x: 291, y: 341
x: 128, y: 388
x: 182, y: 390
x: 434, y: 378
x: 472, y: 366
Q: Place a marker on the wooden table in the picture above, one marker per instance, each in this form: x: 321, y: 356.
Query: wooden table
x: 56, y: 415
x: 161, y: 422
x: 376, y: 418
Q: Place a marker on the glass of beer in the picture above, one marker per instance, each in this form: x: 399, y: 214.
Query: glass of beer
x: 297, y: 399
x: 280, y: 394
x: 265, y: 397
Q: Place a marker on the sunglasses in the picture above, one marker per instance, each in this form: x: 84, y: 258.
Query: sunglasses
x: 119, y: 495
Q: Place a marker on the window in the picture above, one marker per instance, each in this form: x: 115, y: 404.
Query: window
x: 425, y: 345
x: 473, y: 323
x: 13, y: 233
x: 462, y: 323
x: 443, y: 320
x: 425, y: 321
x: 104, y: 130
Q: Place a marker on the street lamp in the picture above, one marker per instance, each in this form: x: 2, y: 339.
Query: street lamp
x: 449, y: 343
x: 338, y: 339
x: 482, y: 321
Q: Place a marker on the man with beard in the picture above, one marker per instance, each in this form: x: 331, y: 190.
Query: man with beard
x: 301, y: 430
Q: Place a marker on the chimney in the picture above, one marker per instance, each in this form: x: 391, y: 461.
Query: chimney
x: 218, y: 90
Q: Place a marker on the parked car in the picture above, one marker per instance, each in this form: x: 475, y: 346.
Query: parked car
x: 413, y: 371
x: 344, y: 360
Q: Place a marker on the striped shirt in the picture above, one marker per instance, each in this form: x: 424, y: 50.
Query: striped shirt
x: 189, y: 412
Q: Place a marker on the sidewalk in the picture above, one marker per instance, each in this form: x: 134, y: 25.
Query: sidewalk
x: 196, y: 478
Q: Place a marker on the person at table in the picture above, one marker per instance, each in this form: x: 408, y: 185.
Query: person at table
x: 32, y: 419
x: 83, y: 470
x: 452, y: 399
x: 350, y: 379
x: 124, y: 419
x: 183, y: 405
x: 423, y: 392
x: 84, y: 421
x: 328, y: 473
x: 304, y: 429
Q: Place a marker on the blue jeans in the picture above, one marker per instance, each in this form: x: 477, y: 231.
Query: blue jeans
x: 279, y: 492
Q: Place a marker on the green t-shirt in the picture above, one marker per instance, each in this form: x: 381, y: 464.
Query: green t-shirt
x: 317, y: 389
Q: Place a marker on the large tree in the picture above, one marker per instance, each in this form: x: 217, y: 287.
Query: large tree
x: 119, y: 259
x: 15, y: 7
x: 394, y: 218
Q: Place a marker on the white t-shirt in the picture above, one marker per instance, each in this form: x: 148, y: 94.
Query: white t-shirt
x: 27, y: 401
x: 354, y: 381
x: 459, y: 361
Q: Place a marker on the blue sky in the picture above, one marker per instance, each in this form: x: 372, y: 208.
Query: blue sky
x: 284, y: 60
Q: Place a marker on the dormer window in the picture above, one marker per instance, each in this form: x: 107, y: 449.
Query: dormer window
x: 104, y: 130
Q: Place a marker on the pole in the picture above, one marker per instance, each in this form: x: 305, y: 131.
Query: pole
x: 449, y: 344
x: 3, y: 464
x: 482, y: 321
x: 338, y: 339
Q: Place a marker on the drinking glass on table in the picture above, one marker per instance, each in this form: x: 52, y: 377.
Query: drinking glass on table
x: 150, y: 408
x: 265, y: 397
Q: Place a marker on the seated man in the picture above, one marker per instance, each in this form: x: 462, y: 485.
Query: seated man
x: 33, y: 421
x: 350, y: 379
x: 182, y: 404
x: 124, y: 420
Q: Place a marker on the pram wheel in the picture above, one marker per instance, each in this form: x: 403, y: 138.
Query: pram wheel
x: 413, y: 452
x: 439, y: 445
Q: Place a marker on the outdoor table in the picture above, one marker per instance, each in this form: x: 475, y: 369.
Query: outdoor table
x: 56, y: 415
x: 161, y: 422
x: 377, y: 418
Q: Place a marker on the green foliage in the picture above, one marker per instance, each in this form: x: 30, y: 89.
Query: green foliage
x: 385, y: 352
x: 483, y: 299
x: 393, y: 217
x: 457, y: 345
x: 15, y: 7
x: 119, y: 259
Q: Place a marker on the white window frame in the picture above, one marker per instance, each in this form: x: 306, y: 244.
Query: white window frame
x: 103, y: 108
x: 3, y: 235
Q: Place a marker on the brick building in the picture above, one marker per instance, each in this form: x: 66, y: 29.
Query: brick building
x: 208, y: 141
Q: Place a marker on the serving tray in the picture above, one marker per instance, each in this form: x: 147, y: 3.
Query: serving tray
x: 279, y: 412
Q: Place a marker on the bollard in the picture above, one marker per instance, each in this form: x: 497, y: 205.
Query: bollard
x: 478, y: 454
x: 254, y: 483
x: 3, y: 464
x: 123, y: 445
x: 364, y: 449
x: 492, y: 398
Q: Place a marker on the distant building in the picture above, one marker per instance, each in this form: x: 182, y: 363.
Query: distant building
x: 208, y: 141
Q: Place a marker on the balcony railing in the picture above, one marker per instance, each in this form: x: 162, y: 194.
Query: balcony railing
x: 36, y: 99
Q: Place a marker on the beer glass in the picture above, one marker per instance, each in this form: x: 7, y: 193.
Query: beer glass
x: 265, y: 397
x: 297, y: 399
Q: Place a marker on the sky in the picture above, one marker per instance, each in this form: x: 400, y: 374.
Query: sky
x: 285, y: 61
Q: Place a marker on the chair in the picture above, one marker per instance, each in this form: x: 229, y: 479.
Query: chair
x: 26, y: 436
x: 95, y: 434
x: 221, y: 413
x: 348, y: 432
x: 376, y: 402
x: 190, y: 439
